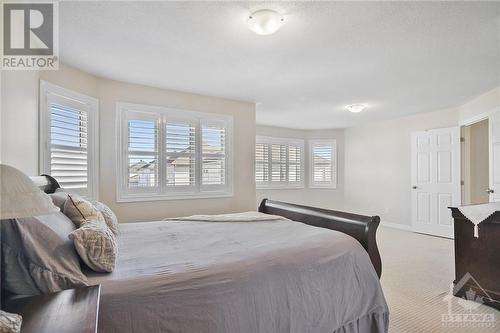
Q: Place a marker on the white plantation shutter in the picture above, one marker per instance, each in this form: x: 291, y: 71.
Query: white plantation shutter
x: 180, y: 142
x: 142, y: 154
x: 294, y: 163
x: 261, y: 163
x: 279, y: 162
x: 68, y: 138
x: 323, y: 163
x: 213, y: 154
x: 172, y: 154
x: 68, y: 146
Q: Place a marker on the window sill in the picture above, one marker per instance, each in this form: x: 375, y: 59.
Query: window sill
x: 317, y: 187
x: 144, y: 198
x: 279, y: 188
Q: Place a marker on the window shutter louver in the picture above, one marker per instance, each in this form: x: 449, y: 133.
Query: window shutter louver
x: 294, y: 164
x: 261, y: 162
x: 278, y: 163
x: 186, y: 151
x: 213, y: 155
x: 142, y: 153
x: 180, y: 143
x: 68, y: 146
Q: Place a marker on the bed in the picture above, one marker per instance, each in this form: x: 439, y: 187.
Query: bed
x: 313, y: 270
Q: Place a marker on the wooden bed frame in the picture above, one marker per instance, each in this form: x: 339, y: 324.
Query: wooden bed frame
x: 363, y: 228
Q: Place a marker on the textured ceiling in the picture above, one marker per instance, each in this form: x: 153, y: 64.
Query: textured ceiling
x: 398, y: 57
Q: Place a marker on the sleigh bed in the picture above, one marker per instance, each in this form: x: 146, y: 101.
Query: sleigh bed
x: 315, y: 271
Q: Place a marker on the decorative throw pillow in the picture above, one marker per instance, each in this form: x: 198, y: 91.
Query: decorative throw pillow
x: 96, y: 245
x: 37, y: 256
x: 108, y: 214
x: 10, y: 322
x: 80, y: 210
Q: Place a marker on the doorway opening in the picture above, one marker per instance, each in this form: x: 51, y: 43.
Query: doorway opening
x: 475, y: 163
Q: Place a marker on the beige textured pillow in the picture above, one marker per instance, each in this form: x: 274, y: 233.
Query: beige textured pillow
x: 108, y: 214
x: 80, y: 210
x: 10, y: 322
x: 96, y: 245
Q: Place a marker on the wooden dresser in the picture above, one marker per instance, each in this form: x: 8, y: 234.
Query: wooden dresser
x: 477, y: 260
x: 67, y: 311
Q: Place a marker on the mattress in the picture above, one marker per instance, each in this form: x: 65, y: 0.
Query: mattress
x: 226, y: 277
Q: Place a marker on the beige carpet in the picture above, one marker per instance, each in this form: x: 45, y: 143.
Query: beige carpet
x: 416, y: 274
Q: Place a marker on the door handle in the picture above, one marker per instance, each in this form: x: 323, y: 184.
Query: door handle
x: 414, y: 187
x: 490, y: 191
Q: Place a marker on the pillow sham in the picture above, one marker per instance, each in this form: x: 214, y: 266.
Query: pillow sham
x: 108, y: 214
x: 37, y: 256
x: 80, y: 210
x: 59, y: 198
x: 96, y: 245
x: 10, y: 322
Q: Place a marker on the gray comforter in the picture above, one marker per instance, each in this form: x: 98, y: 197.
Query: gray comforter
x: 229, y: 277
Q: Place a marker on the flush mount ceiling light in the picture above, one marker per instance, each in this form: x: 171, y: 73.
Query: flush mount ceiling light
x: 265, y: 21
x: 355, y: 108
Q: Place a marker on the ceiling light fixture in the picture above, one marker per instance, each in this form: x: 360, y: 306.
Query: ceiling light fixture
x: 265, y: 21
x: 355, y: 108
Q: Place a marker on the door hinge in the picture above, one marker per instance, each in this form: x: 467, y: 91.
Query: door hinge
x: 462, y: 139
x: 462, y: 182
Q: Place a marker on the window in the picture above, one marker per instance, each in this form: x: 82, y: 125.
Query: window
x: 172, y: 154
x: 323, y: 163
x: 279, y: 163
x: 69, y: 139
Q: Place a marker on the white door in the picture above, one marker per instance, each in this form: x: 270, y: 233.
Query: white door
x: 435, y: 180
x: 494, y: 190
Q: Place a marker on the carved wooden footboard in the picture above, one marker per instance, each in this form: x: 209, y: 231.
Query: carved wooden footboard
x: 363, y: 228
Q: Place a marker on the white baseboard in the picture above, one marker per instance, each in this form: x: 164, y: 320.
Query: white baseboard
x: 399, y: 226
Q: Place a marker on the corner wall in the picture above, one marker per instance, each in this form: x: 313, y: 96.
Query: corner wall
x: 19, y: 138
x: 325, y: 198
x: 377, y: 158
x: 378, y: 168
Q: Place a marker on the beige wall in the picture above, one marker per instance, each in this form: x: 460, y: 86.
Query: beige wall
x: 377, y: 158
x: 325, y: 198
x: 111, y: 92
x: 19, y: 124
x: 377, y: 164
x: 19, y: 136
x: 479, y: 162
x: 480, y: 105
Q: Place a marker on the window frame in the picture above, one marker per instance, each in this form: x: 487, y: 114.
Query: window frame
x: 50, y: 92
x: 164, y: 114
x: 269, y: 185
x: 334, y: 167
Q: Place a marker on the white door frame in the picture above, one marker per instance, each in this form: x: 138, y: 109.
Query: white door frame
x: 493, y: 115
x: 475, y: 119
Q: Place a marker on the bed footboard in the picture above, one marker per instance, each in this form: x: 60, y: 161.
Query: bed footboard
x: 361, y: 227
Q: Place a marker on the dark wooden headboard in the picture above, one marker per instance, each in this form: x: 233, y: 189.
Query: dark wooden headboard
x: 46, y: 183
x: 363, y: 228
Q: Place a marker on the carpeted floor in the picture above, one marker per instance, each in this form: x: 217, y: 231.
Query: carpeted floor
x: 417, y: 271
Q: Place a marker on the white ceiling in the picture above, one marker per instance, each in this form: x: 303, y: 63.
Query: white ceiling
x: 398, y: 57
